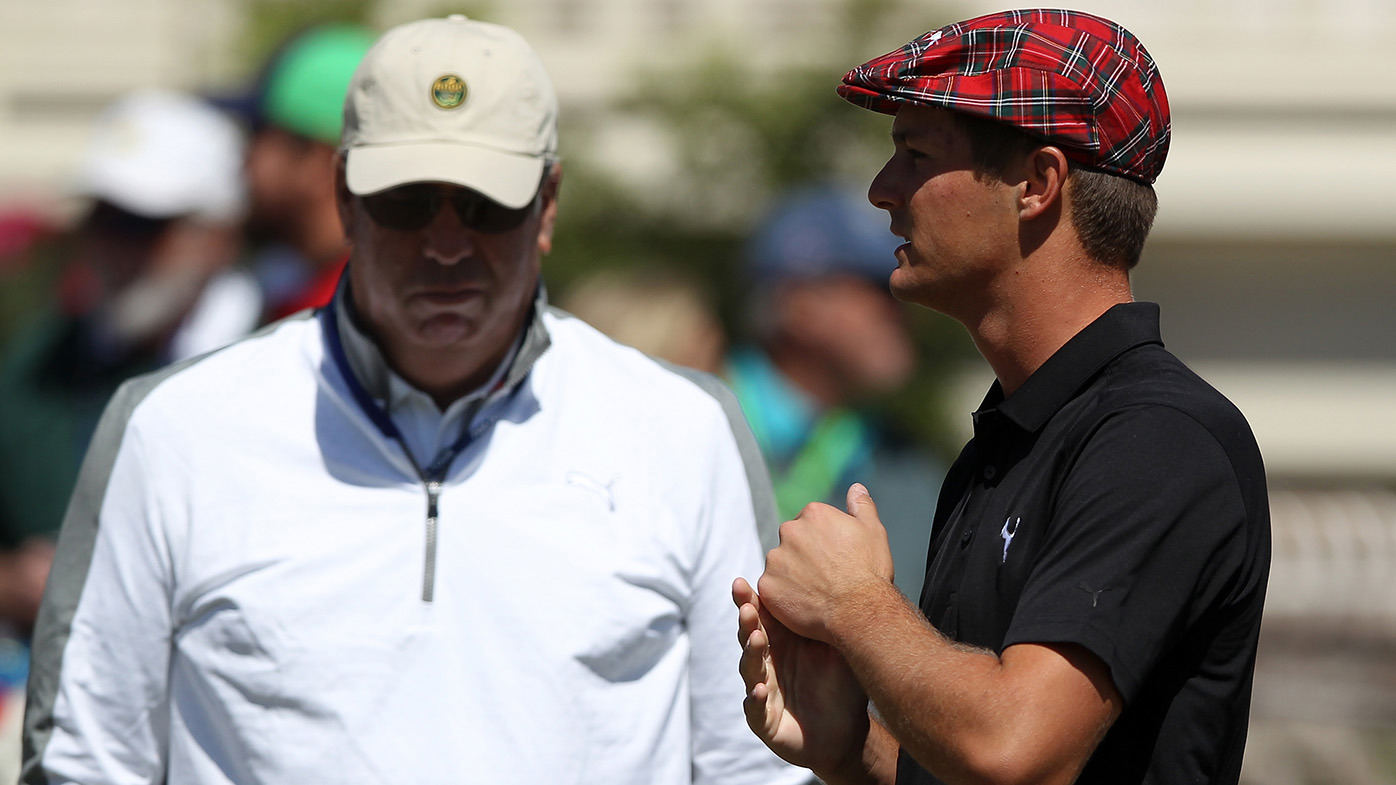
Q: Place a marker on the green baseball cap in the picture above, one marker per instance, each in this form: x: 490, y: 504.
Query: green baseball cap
x: 305, y: 87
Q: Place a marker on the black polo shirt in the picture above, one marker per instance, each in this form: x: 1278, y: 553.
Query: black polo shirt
x: 1118, y: 502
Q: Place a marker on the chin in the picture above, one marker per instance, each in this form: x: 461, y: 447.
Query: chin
x: 922, y: 293
x: 901, y: 286
x: 444, y: 331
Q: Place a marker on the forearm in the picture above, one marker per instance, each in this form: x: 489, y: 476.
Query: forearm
x: 876, y: 766
x: 1033, y: 714
x: 903, y: 663
x: 960, y: 712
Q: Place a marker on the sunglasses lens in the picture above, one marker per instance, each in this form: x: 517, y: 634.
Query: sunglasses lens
x: 404, y: 209
x: 411, y: 207
x: 483, y: 214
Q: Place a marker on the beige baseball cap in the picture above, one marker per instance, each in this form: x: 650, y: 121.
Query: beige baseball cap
x: 450, y: 100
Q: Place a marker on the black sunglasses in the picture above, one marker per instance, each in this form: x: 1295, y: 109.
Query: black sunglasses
x: 109, y: 219
x: 411, y: 207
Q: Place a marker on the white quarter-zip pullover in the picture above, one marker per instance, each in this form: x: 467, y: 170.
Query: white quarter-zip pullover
x: 255, y: 584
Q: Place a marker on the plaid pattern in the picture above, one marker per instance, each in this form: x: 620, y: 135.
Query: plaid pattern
x: 1079, y: 81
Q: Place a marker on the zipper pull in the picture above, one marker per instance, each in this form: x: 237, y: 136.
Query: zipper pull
x: 429, y: 573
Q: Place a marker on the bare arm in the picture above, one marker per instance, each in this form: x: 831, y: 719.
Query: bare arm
x: 1034, y: 714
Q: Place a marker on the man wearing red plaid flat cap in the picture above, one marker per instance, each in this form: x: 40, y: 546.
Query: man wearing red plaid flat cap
x: 1100, y: 549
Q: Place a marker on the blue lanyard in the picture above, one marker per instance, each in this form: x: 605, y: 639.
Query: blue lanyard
x: 379, y: 416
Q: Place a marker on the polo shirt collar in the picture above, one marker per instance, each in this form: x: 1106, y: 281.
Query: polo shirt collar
x: 1047, y: 390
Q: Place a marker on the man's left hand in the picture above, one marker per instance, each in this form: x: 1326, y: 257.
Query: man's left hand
x: 825, y: 561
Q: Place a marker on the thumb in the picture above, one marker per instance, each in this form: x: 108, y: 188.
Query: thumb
x: 861, y: 505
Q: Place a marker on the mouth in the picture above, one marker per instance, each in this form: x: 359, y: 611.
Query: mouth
x: 895, y: 228
x: 449, y: 295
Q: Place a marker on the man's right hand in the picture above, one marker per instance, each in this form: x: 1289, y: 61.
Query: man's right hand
x: 802, y: 700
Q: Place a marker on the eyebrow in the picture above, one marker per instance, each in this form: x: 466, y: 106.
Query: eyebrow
x: 904, y: 137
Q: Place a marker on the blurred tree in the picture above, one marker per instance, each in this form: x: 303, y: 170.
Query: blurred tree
x: 738, y: 137
x: 268, y: 23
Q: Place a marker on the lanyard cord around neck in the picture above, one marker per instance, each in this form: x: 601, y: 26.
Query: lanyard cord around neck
x: 436, y: 471
x: 825, y: 457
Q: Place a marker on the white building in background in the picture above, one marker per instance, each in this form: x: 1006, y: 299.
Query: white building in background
x: 1275, y: 249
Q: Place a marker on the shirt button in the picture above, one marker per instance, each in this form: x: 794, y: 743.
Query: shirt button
x: 965, y: 538
x: 990, y: 472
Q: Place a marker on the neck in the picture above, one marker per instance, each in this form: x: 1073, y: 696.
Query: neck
x: 449, y: 377
x: 446, y: 392
x: 1038, y: 309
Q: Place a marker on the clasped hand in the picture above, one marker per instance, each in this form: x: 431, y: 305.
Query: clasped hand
x: 825, y: 561
x: 803, y: 700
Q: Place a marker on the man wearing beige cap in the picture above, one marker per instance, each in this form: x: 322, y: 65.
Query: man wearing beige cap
x: 1099, y: 552
x: 431, y: 533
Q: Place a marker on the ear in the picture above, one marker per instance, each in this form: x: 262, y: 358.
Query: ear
x: 548, y: 219
x: 1047, y: 168
x: 343, y: 200
x: 318, y: 165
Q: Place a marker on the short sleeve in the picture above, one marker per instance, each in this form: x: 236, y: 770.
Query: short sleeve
x: 1147, y: 532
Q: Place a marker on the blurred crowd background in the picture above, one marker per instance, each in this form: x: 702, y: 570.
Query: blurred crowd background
x: 712, y: 214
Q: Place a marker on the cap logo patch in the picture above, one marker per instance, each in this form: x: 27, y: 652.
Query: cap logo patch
x: 448, y: 91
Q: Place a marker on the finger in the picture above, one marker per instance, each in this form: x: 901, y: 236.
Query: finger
x: 763, y: 707
x: 754, y: 707
x: 861, y: 505
x: 748, y: 621
x: 753, y: 663
x: 743, y: 593
x: 864, y: 510
x: 748, y: 604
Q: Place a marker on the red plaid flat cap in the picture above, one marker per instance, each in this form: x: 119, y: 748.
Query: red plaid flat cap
x: 1078, y: 81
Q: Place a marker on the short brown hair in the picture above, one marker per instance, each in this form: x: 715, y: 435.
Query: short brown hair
x: 1112, y: 213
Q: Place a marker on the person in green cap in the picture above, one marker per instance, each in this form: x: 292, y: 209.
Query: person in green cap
x: 295, y: 112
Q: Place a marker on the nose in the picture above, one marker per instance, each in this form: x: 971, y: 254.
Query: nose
x: 880, y: 191
x: 447, y: 240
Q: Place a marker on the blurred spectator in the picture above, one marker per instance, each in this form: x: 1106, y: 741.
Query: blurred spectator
x: 661, y: 312
x: 295, y: 112
x: 828, y: 336
x: 150, y: 281
x: 26, y: 243
x: 20, y: 230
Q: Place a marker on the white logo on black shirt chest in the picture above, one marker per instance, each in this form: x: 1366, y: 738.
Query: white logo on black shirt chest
x: 1010, y: 529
